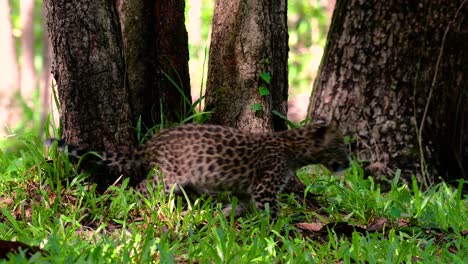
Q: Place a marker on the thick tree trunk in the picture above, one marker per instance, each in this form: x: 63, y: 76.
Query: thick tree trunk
x: 8, y: 70
x: 138, y: 36
x: 249, y: 39
x: 148, y: 57
x: 90, y: 73
x: 173, y: 56
x: 376, y: 80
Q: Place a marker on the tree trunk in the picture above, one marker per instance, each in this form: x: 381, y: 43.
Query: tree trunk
x: 90, y: 73
x: 138, y: 36
x: 380, y: 73
x: 147, y: 57
x: 173, y: 56
x: 106, y: 81
x: 28, y: 72
x: 8, y: 69
x: 249, y: 40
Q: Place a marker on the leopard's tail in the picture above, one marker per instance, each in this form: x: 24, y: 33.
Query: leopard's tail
x: 120, y: 161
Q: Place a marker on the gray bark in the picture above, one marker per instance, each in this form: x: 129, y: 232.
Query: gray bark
x: 155, y: 42
x: 249, y: 38
x: 173, y: 56
x: 89, y: 70
x: 376, y: 81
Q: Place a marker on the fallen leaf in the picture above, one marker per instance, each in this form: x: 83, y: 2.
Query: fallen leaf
x: 453, y: 249
x: 378, y: 225
x: 313, y: 227
x: 6, y: 201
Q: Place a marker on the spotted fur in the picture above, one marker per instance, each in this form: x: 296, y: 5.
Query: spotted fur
x: 211, y: 159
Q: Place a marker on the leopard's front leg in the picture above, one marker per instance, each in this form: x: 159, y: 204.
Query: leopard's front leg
x: 266, y: 190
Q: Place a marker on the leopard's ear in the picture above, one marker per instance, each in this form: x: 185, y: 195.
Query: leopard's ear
x: 322, y: 121
x: 319, y: 126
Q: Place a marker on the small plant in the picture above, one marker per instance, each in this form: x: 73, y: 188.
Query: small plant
x: 189, y: 114
x: 262, y: 89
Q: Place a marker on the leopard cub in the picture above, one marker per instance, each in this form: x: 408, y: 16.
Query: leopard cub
x: 211, y: 158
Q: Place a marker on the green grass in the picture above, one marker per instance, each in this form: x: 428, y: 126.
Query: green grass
x: 47, y: 203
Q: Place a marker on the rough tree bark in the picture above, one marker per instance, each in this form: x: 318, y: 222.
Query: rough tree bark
x: 106, y: 81
x: 381, y: 71
x: 89, y: 70
x: 249, y: 38
x: 138, y: 36
x: 173, y: 56
x: 148, y: 56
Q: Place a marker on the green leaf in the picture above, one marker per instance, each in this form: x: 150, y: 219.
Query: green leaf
x: 395, y: 212
x: 263, y: 91
x: 266, y: 77
x: 347, y: 139
x: 257, y: 107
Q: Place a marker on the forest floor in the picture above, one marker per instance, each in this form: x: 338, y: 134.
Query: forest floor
x: 61, y: 218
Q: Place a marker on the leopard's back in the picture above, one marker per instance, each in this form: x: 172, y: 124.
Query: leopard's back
x: 207, y: 157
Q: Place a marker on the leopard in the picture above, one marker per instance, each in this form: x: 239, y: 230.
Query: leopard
x: 210, y: 159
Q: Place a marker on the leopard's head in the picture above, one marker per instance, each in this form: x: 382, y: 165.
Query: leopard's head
x: 334, y: 154
x: 323, y: 144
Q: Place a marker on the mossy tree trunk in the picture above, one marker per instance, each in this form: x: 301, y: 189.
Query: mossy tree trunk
x: 108, y: 64
x: 382, y: 81
x: 249, y: 40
